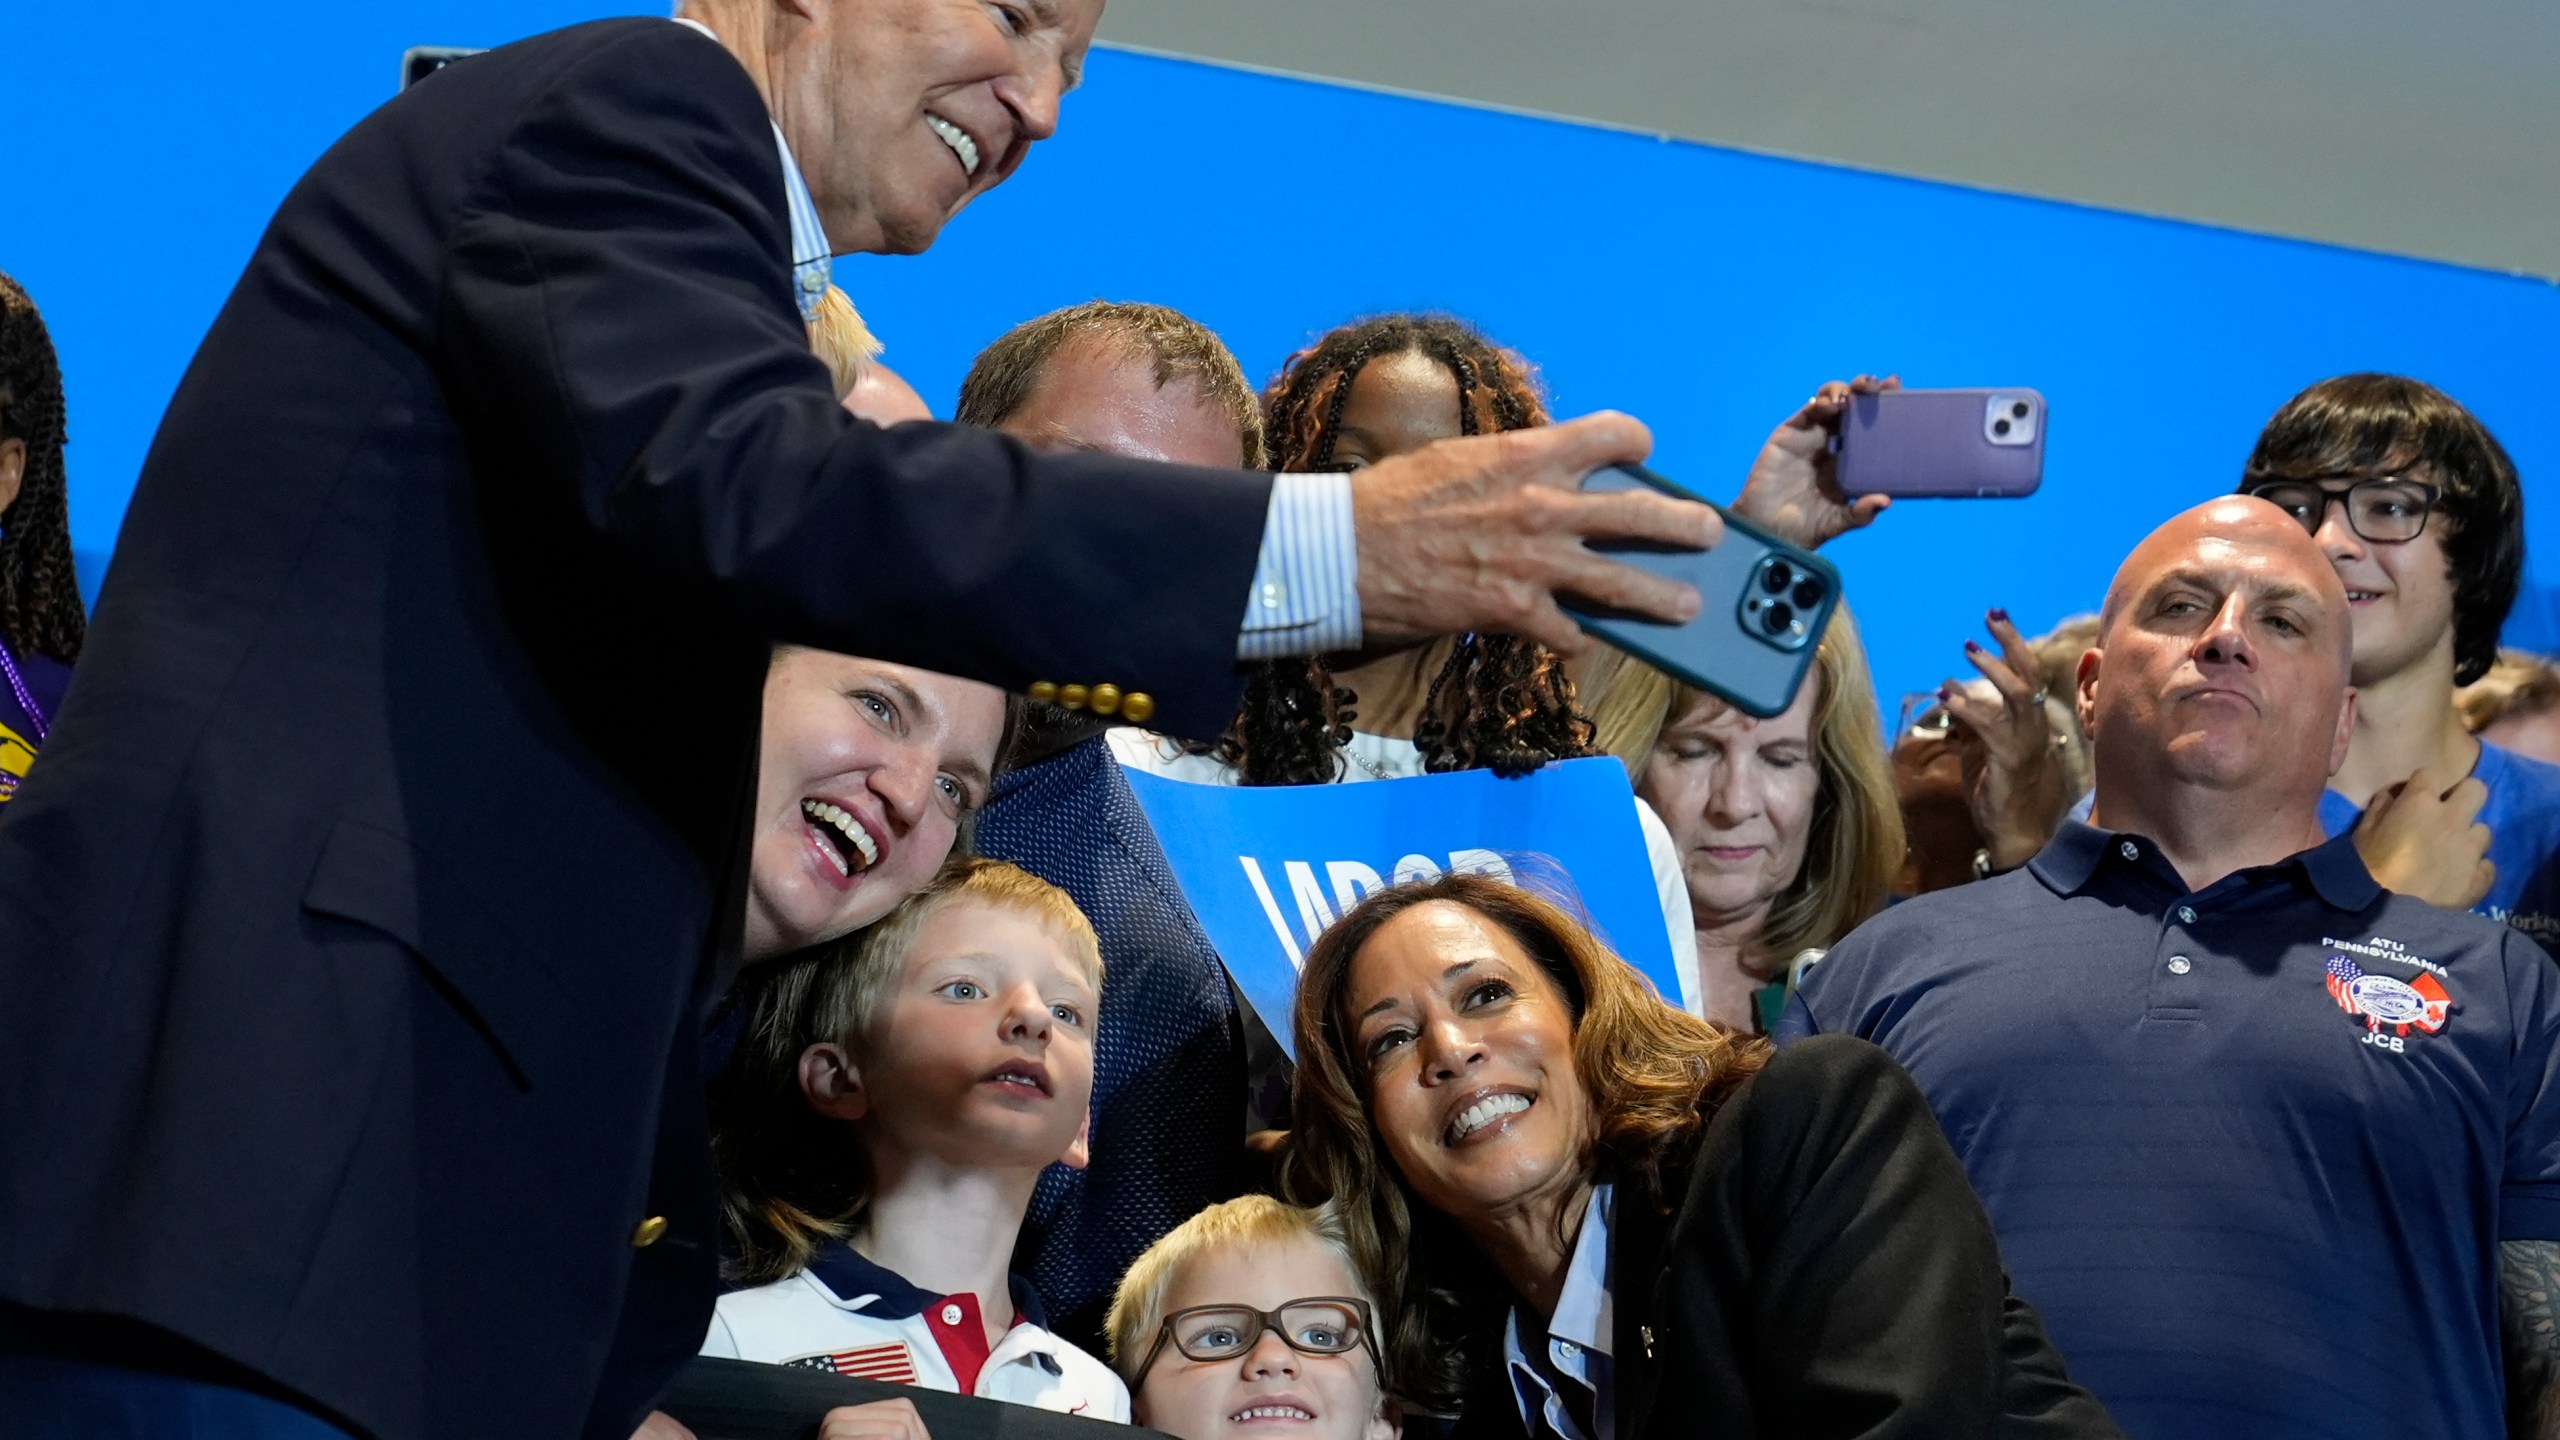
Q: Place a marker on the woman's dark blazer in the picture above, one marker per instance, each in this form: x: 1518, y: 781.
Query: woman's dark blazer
x: 1821, y: 1271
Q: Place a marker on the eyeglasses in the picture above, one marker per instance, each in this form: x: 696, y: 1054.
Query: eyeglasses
x: 1318, y: 1325
x: 2384, y: 510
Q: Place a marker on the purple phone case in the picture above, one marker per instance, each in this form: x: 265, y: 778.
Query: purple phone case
x: 1934, y: 443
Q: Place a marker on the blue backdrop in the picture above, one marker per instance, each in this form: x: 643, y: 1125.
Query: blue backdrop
x: 1705, y: 290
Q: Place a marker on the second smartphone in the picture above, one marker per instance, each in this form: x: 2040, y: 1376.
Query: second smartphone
x: 1947, y: 443
x: 1767, y: 604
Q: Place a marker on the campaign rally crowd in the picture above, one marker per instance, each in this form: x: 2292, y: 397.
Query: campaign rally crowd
x: 589, y: 830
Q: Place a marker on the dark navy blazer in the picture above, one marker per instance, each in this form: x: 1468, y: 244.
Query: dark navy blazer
x: 353, y: 929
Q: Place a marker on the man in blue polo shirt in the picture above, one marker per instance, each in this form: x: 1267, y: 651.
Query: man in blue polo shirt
x: 2258, y: 1136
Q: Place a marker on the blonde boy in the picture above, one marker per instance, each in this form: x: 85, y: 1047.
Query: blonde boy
x: 891, y: 1106
x: 1251, y: 1320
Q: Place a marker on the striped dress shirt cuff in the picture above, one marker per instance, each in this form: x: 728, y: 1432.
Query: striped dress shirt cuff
x: 1306, y: 581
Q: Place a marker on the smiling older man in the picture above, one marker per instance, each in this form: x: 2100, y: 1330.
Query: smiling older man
x: 2258, y: 1136
x: 354, y: 931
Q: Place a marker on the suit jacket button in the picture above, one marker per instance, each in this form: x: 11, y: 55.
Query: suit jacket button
x: 1106, y: 699
x: 1045, y: 691
x: 1138, y: 708
x: 646, y: 1233
x: 1072, y: 696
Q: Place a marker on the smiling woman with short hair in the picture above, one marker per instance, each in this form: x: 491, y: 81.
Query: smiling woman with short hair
x: 1598, y: 1218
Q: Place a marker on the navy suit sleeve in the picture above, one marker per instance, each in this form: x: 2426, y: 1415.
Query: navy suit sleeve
x: 616, y: 319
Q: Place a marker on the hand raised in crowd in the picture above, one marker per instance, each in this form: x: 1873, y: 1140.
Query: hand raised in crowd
x: 1482, y: 533
x: 879, y: 1420
x: 2014, y: 780
x: 2425, y: 840
x: 1793, y: 489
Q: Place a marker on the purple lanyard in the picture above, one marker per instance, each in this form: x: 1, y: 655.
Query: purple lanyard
x: 18, y: 687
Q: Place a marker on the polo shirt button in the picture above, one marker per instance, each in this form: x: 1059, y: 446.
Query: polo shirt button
x: 2186, y: 914
x: 2180, y: 965
x: 2129, y: 850
x: 950, y: 1314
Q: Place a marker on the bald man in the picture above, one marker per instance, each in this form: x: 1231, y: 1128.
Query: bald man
x: 2270, y: 1147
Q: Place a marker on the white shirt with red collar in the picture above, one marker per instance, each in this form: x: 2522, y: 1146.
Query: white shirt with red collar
x: 850, y: 1316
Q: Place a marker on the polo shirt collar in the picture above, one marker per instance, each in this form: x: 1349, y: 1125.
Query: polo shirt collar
x: 875, y: 1289
x: 2072, y: 859
x: 812, y: 257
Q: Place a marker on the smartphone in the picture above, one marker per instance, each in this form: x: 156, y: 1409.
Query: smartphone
x: 1767, y: 603
x: 1946, y: 443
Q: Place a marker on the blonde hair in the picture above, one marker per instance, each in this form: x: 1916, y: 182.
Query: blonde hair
x: 792, y: 1180
x: 1137, y: 1309
x: 842, y: 340
x: 1857, y: 841
x: 2521, y: 683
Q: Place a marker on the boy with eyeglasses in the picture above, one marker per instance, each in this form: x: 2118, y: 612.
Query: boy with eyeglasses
x: 2419, y: 510
x: 1251, y: 1319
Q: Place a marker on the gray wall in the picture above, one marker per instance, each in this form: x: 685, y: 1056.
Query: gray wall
x: 2420, y: 127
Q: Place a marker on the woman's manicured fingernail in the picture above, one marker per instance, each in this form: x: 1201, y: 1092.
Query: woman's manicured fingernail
x: 1999, y: 614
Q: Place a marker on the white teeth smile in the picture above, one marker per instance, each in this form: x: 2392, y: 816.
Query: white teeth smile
x: 2355, y: 595
x: 852, y: 839
x: 959, y: 141
x: 1484, y: 1112
x: 1269, y: 1412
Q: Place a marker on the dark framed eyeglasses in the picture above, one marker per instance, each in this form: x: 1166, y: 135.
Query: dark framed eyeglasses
x: 2384, y: 509
x: 1317, y: 1325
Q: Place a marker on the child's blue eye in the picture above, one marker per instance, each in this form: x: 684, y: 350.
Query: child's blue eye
x: 1068, y: 1013
x: 964, y: 990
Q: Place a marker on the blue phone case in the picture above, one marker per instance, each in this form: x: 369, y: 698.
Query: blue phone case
x: 1756, y: 634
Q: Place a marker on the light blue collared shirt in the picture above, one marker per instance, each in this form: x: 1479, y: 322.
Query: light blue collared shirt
x: 1577, y: 1336
x: 1306, y: 579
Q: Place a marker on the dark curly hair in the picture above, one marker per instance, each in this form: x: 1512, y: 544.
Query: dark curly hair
x: 39, y: 592
x: 1500, y: 703
x: 2369, y: 424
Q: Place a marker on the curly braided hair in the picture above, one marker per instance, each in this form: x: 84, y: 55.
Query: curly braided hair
x: 39, y: 594
x: 1499, y: 702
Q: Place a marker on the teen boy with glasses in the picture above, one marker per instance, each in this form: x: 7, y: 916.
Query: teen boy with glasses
x: 2420, y: 512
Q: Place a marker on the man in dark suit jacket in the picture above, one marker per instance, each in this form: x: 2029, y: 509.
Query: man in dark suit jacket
x: 353, y: 931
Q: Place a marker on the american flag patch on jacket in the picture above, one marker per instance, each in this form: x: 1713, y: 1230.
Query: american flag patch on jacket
x: 889, y: 1362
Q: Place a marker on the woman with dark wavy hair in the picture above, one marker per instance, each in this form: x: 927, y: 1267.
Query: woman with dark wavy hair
x: 1594, y: 1217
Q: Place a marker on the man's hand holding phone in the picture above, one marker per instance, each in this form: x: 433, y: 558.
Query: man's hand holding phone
x: 1482, y: 533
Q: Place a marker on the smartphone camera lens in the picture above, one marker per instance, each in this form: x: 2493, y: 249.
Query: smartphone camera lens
x: 1777, y: 577
x: 1778, y: 617
x: 1808, y: 594
x: 2019, y: 409
x: 1999, y: 427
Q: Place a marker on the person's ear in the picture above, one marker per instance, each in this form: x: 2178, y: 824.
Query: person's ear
x: 1385, y: 1422
x: 1080, y: 1149
x: 832, y: 1083
x: 13, y: 471
x: 2084, y: 684
x: 2346, y: 731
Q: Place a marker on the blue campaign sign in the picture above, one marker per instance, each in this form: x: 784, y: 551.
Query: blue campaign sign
x: 1267, y: 868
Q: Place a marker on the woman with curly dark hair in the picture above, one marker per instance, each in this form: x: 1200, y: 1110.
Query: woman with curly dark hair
x: 1595, y: 1217
x: 1387, y: 386
x: 41, y: 619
